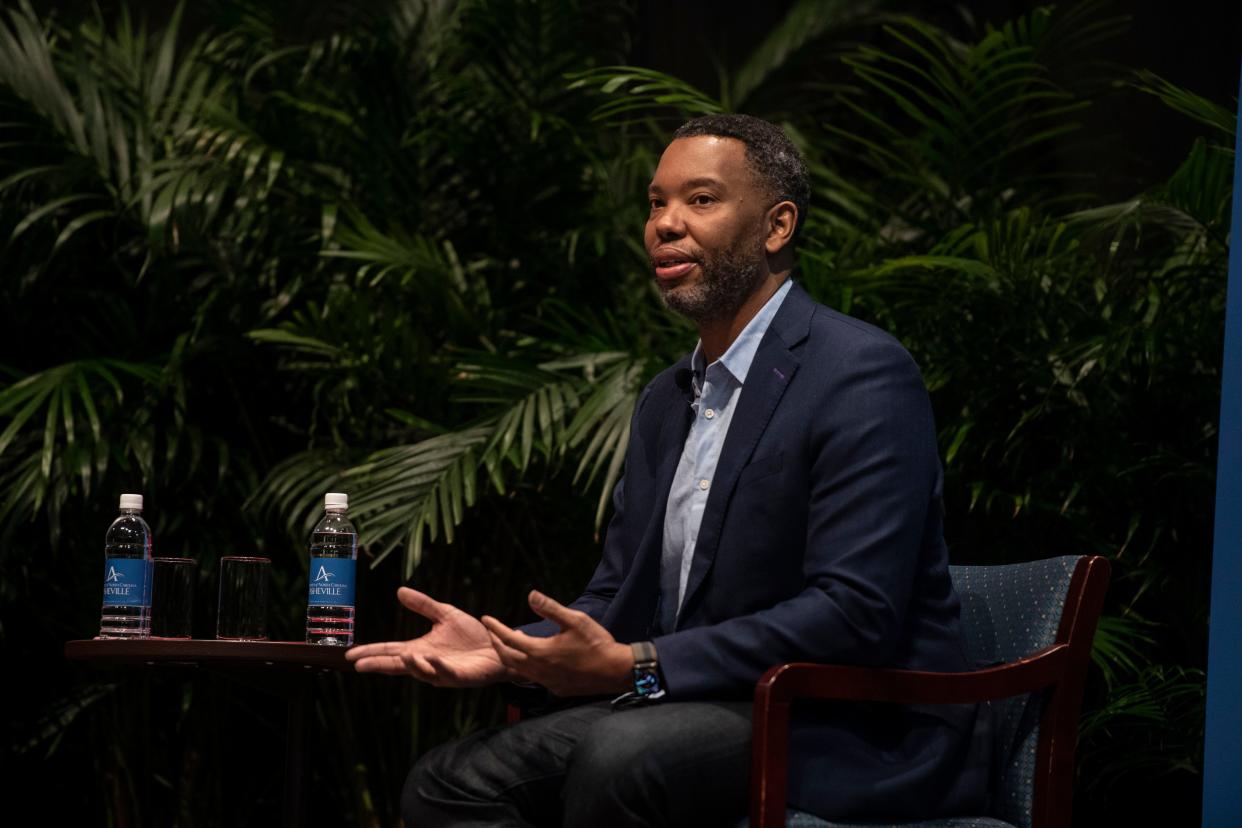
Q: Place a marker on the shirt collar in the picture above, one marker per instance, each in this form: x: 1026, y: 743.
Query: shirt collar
x: 737, y: 359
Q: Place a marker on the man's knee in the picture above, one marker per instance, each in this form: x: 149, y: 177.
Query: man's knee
x: 615, y: 749
x: 613, y: 772
x: 424, y: 785
x: 499, y: 775
x: 458, y: 776
x: 654, y: 766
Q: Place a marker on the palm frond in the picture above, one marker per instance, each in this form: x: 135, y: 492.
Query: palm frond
x: 809, y: 21
x: 27, y: 67
x: 295, y: 342
x: 634, y: 89
x: 408, y: 495
x: 66, y: 396
x: 1202, y: 187
x: 967, y: 121
x: 292, y: 492
x: 63, y: 426
x: 1120, y: 647
x: 1188, y: 103
x: 147, y: 121
x: 404, y: 494
x: 434, y: 270
x: 56, y: 719
x: 537, y: 400
x: 1193, y: 204
x: 1157, y: 717
x: 601, y: 428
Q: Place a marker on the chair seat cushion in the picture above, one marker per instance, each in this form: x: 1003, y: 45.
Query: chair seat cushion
x: 798, y: 819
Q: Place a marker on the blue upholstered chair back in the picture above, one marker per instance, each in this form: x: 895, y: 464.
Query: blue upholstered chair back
x: 1009, y: 612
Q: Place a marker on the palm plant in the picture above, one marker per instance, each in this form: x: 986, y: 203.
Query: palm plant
x: 133, y: 202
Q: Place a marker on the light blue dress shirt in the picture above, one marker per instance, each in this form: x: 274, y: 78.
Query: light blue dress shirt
x: 716, y: 391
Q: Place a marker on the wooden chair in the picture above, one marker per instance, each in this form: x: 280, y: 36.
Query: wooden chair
x: 1035, y: 621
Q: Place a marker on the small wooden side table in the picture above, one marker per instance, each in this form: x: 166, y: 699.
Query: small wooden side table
x: 284, y: 668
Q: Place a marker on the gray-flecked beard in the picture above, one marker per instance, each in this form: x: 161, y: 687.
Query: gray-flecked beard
x: 727, y: 281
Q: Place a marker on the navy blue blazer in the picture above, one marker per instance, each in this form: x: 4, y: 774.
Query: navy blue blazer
x: 821, y: 541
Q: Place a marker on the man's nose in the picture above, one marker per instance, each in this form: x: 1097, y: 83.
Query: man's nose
x: 670, y: 223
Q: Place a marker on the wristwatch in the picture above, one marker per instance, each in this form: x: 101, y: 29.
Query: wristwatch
x: 647, y: 684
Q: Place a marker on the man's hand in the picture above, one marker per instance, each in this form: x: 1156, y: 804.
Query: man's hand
x: 582, y: 659
x: 457, y: 652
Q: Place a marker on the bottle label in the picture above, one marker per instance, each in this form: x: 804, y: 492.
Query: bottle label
x: 127, y: 582
x: 332, y: 582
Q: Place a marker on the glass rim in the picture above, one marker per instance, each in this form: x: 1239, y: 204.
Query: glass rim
x: 171, y: 559
x: 245, y: 559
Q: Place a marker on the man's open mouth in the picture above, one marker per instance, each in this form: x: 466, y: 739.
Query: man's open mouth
x: 672, y: 266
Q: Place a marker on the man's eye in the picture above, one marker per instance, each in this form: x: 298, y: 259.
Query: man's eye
x: 702, y: 199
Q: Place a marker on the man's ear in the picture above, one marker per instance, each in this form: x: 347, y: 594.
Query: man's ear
x: 782, y: 219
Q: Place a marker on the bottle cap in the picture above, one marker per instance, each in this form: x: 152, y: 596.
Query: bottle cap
x: 131, y: 501
x: 336, y: 500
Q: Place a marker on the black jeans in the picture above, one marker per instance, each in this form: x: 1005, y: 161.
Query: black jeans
x: 677, y: 763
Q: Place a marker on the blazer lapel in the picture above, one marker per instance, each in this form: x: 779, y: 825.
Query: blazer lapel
x: 641, y: 603
x: 770, y: 373
x: 675, y: 418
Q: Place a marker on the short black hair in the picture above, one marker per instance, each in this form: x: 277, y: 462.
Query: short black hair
x: 769, y: 153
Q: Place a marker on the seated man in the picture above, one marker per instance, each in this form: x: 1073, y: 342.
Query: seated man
x: 780, y: 502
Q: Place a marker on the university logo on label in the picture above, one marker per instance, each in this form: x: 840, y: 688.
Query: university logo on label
x: 113, y: 575
x: 323, y: 576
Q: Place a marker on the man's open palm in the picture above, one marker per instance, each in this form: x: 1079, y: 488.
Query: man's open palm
x: 457, y: 652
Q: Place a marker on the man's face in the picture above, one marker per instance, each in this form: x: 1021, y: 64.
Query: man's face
x: 705, y: 234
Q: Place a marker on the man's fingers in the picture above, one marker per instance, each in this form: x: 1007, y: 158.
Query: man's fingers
x: 404, y: 664
x: 390, y: 664
x: 422, y: 603
x: 507, y: 654
x: 379, y: 648
x: 513, y: 639
x: 394, y: 658
x: 421, y: 667
x: 441, y: 668
x: 554, y: 611
x: 515, y: 660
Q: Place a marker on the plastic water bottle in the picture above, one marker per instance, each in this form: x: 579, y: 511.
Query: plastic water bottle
x: 333, y: 553
x: 127, y: 574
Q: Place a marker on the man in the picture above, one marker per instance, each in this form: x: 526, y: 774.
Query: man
x: 781, y: 502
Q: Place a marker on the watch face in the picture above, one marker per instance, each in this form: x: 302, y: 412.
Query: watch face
x: 646, y: 681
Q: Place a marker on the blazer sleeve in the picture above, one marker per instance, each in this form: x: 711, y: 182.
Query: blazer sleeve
x: 874, y: 480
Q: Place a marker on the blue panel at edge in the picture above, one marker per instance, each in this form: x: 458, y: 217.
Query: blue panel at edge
x: 1222, y: 749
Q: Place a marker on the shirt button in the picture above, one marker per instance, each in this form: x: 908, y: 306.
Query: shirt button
x: 709, y: 413
x: 703, y: 484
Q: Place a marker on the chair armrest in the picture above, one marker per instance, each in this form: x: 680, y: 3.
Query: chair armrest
x: 786, y: 683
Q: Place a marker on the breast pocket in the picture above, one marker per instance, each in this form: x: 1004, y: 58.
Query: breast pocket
x: 759, y: 469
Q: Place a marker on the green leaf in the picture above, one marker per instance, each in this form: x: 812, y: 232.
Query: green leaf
x: 77, y: 224
x: 295, y: 342
x: 46, y: 209
x: 1188, y: 103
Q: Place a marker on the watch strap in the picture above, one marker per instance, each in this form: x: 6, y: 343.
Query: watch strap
x: 644, y: 653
